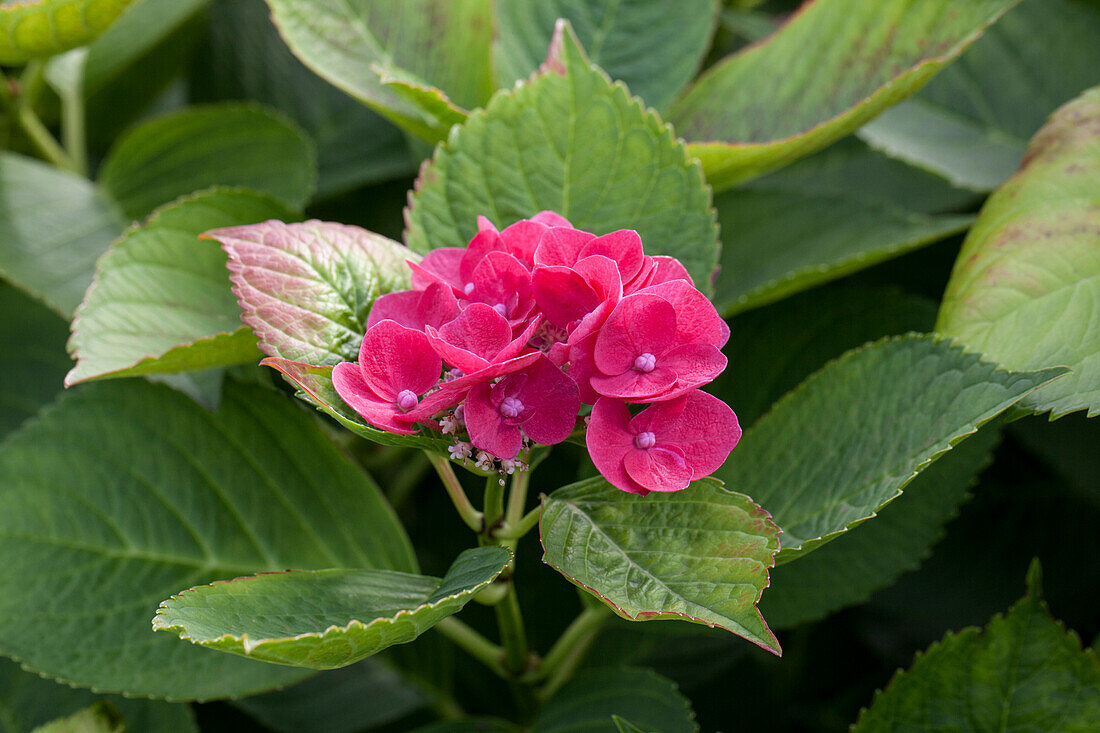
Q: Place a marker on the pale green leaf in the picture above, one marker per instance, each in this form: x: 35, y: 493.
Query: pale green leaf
x: 53, y: 227
x: 588, y: 702
x: 834, y: 66
x: 874, y: 554
x: 307, y: 289
x: 971, y: 124
x: 1023, y: 672
x: 100, y: 717
x: 161, y: 300
x: 845, y: 442
x: 323, y: 619
x: 36, y: 28
x: 699, y: 555
x: 571, y: 142
x: 654, y: 46
x: 199, y: 147
x: 1026, y: 286
x: 28, y: 701
x: 247, y: 59
x: 776, y: 243
x: 445, y: 43
x: 143, y: 492
x: 32, y: 357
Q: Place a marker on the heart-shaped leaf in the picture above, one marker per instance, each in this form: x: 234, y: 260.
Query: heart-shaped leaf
x: 36, y: 28
x: 699, y: 555
x: 831, y: 68
x: 571, y: 142
x: 1022, y: 672
x: 147, y: 492
x: 198, y: 147
x: 161, y: 300
x: 629, y: 39
x: 1027, y: 280
x: 323, y: 619
x: 307, y: 289
x: 845, y: 442
x: 444, y: 43
x: 32, y: 357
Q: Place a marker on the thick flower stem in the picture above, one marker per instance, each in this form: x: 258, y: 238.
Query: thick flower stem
x: 562, y: 660
x: 514, y: 531
x: 474, y: 644
x: 474, y: 519
x: 513, y: 636
x: 494, y: 504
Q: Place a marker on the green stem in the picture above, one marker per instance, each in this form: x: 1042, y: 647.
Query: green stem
x: 474, y: 519
x: 568, y: 651
x: 517, y: 499
x: 474, y: 644
x: 72, y: 131
x: 512, y: 634
x: 20, y: 106
x: 514, y: 531
x: 494, y: 503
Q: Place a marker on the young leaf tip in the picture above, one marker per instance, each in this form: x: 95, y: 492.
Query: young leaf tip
x: 565, y: 48
x: 1035, y: 580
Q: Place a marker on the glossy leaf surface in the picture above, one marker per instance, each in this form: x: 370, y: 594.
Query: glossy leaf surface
x: 700, y: 555
x: 323, y: 619
x: 1026, y: 286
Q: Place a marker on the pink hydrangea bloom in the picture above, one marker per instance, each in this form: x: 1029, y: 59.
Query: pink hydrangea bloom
x: 665, y: 446
x: 396, y: 366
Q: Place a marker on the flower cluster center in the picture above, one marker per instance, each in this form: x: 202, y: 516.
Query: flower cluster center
x: 511, y: 407
x: 407, y: 400
x: 645, y: 440
x: 646, y: 362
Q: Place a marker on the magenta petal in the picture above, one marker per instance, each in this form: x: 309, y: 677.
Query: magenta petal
x: 609, y: 440
x: 696, y: 317
x: 439, y: 265
x: 553, y: 396
x: 437, y: 306
x: 473, y: 339
x: 660, y: 468
x: 501, y: 280
x: 667, y: 269
x: 488, y: 431
x: 484, y: 242
x: 483, y: 224
x: 379, y: 412
x: 635, y: 386
x: 393, y: 358
x: 701, y: 425
x: 562, y: 294
x: 582, y: 367
x: 520, y: 342
x: 624, y: 247
x: 451, y: 393
x: 562, y: 247
x: 551, y: 219
x: 399, y: 307
x: 694, y: 364
x: 602, y: 275
x: 522, y: 239
x: 639, y: 324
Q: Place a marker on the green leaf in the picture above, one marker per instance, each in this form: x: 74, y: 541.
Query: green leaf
x: 144, y: 25
x: 773, y: 349
x: 199, y: 147
x: 972, y: 123
x: 625, y: 726
x: 778, y: 242
x: 161, y: 301
x: 323, y: 619
x: 53, y: 226
x: 1022, y: 672
x: 874, y: 554
x: 845, y: 442
x: 444, y: 43
x: 314, y: 385
x: 587, y: 703
x: 470, y: 725
x: 834, y: 66
x: 699, y: 555
x: 654, y: 47
x: 571, y: 142
x: 307, y: 289
x: 1026, y: 284
x: 1068, y: 446
x: 101, y: 717
x: 28, y: 701
x: 32, y: 357
x: 359, y: 697
x: 35, y: 28
x: 247, y: 59
x: 144, y: 492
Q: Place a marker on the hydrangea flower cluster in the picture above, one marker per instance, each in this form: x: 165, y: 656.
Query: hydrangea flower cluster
x: 501, y: 342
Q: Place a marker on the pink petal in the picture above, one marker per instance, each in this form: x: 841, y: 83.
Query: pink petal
x: 635, y: 386
x: 379, y: 412
x: 563, y: 295
x: 399, y: 307
x: 624, y: 247
x: 694, y: 364
x: 522, y: 239
x: 516, y: 346
x: 660, y: 468
x: 439, y: 265
x: 501, y: 279
x: 393, y: 358
x: 701, y: 425
x: 437, y: 306
x: 609, y: 440
x: 551, y: 219
x: 667, y: 269
x: 484, y: 242
x: 451, y: 393
x: 552, y: 395
x: 640, y: 323
x: 562, y: 247
x: 696, y: 318
x: 472, y: 340
x: 582, y: 367
x: 487, y: 430
x: 484, y: 224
